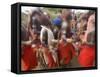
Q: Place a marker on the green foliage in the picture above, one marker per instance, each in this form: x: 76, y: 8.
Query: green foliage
x: 53, y: 12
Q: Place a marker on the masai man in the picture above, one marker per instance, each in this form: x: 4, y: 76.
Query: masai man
x: 87, y: 52
x: 46, y: 38
x: 30, y: 41
x: 66, y: 50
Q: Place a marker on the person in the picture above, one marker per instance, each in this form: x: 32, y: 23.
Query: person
x: 24, y: 40
x: 46, y: 38
x: 66, y: 50
x: 87, y: 52
x: 90, y: 25
x: 57, y: 25
x: 73, y: 25
x: 30, y: 41
x: 62, y: 23
x: 28, y: 57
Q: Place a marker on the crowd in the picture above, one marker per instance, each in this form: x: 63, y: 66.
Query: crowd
x: 65, y: 41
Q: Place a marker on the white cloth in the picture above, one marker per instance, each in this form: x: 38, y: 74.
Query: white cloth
x: 50, y: 39
x: 49, y: 32
x: 64, y: 25
x: 90, y: 25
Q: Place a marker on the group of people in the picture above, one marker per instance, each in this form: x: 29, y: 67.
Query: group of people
x: 48, y: 43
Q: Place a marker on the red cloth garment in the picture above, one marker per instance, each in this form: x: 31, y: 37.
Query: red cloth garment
x: 29, y: 57
x: 87, y: 56
x: 51, y: 62
x: 66, y: 52
x: 24, y: 67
